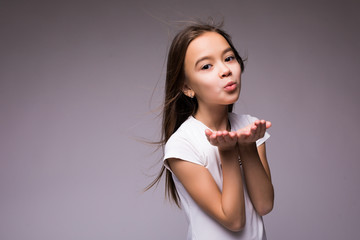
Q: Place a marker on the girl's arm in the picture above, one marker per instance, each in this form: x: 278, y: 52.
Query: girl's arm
x: 256, y: 171
x: 228, y: 206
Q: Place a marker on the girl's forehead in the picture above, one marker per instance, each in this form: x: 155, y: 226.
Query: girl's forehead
x: 206, y: 40
x: 208, y: 43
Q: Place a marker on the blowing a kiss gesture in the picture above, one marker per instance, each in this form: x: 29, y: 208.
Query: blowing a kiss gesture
x: 226, y: 140
x: 242, y: 143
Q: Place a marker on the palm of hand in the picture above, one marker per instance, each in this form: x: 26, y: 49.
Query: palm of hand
x: 252, y: 132
x: 225, y: 140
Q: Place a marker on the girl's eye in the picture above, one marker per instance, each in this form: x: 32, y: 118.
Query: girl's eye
x: 230, y: 58
x: 206, y: 66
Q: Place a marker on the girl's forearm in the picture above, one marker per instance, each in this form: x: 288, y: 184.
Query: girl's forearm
x: 232, y: 197
x: 258, y: 183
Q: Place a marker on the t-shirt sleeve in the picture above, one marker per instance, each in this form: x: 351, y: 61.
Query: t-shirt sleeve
x: 181, y: 148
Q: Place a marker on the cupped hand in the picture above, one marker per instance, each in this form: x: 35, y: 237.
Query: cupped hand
x: 252, y: 132
x: 224, y: 140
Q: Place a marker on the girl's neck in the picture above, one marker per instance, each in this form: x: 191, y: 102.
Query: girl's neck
x: 215, y: 118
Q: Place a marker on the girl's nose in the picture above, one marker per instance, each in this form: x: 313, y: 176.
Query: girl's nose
x: 224, y: 72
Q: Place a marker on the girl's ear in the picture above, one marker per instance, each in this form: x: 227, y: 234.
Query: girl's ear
x: 188, y: 91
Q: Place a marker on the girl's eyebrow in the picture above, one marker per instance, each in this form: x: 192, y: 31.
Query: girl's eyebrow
x: 229, y: 49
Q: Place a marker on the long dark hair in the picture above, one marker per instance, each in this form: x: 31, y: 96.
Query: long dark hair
x: 177, y: 106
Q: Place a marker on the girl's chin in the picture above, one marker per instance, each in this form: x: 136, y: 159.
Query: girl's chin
x: 232, y: 100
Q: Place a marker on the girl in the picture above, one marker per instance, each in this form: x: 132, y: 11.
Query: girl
x: 215, y: 161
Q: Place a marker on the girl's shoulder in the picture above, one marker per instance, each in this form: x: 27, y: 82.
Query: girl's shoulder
x: 188, y: 143
x: 190, y: 130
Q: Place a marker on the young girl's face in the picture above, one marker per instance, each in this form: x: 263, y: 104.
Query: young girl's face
x: 212, y: 71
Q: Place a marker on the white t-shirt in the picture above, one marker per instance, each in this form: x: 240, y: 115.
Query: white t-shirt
x: 189, y: 143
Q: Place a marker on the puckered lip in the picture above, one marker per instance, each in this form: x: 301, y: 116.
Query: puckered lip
x: 229, y: 84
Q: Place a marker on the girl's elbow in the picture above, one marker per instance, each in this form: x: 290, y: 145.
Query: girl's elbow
x: 265, y: 205
x: 265, y: 208
x: 237, y: 225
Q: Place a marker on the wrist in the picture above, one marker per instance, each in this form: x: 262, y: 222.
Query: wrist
x: 229, y: 152
x: 248, y: 147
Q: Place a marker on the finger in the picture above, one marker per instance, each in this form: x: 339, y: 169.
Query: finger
x: 208, y: 132
x: 220, y: 137
x: 226, y: 136
x: 213, y: 139
x: 224, y: 133
x: 262, y: 128
x: 255, y: 131
x: 232, y: 135
x: 260, y: 131
x: 214, y: 135
x: 268, y: 124
x: 255, y: 127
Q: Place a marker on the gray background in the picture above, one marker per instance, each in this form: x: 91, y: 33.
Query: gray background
x: 81, y: 85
